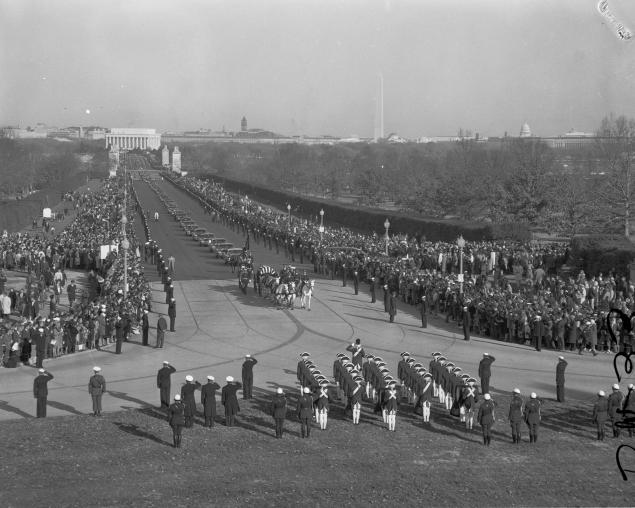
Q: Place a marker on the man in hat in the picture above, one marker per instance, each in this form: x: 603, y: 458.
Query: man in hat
x: 469, y: 398
x: 355, y: 399
x: 71, y: 291
x: 392, y: 306
x: 248, y: 376
x: 423, y: 308
x: 391, y: 404
x: 322, y: 404
x: 164, y: 383
x: 162, y: 326
x: 615, y: 401
x: 145, y: 327
x: 358, y: 353
x: 40, y: 391
x: 230, y: 401
x: 208, y: 400
x: 532, y: 417
x: 172, y: 313
x: 279, y: 411
x: 485, y: 371
x: 560, y: 368
x: 486, y: 418
x: 189, y: 401
x: 628, y: 411
x: 169, y: 293
x: 516, y: 414
x: 373, y: 296
x: 600, y: 414
x: 96, y: 388
x: 466, y: 323
x: 176, y: 419
x: 356, y: 281
x: 305, y: 412
x: 38, y: 338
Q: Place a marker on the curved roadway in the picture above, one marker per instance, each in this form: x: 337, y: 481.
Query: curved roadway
x: 217, y: 325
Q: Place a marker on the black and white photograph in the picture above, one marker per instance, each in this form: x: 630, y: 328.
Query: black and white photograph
x: 317, y: 253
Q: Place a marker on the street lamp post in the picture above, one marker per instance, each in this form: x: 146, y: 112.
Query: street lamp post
x: 386, y: 225
x: 321, y: 224
x: 460, y: 242
x: 289, y: 217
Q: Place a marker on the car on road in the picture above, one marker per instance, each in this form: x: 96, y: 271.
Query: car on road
x: 214, y: 242
x: 198, y: 232
x: 204, y: 239
x: 221, y: 249
x: 232, y: 254
x: 189, y: 228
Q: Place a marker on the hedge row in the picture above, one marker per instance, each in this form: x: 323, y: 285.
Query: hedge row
x: 597, y: 254
x: 364, y: 219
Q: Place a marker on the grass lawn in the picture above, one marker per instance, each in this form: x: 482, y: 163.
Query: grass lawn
x: 127, y: 459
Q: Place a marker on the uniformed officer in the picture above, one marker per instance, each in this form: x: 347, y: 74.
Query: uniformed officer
x: 357, y: 353
x: 164, y: 383
x: 248, y: 376
x: 176, y: 419
x: 486, y: 418
x: 355, y: 399
x: 169, y: 293
x: 470, y: 398
x: 391, y: 404
x: 305, y: 412
x: 628, y: 411
x: 485, y: 371
x: 600, y: 414
x: 96, y: 388
x: 373, y: 297
x: 426, y: 397
x: 532, y: 417
x: 279, y: 411
x: 322, y: 404
x: 560, y: 368
x: 40, y: 391
x: 172, y: 313
x: 466, y: 323
x: 615, y: 401
x: 208, y: 400
x: 189, y: 401
x: 356, y: 281
x: 145, y: 327
x: 516, y: 415
x: 424, y: 312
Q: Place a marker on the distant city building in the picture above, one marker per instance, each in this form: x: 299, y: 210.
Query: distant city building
x: 18, y: 133
x: 131, y: 138
x: 243, y: 124
x: 525, y: 131
x: 176, y: 160
x: 165, y: 157
x: 95, y: 133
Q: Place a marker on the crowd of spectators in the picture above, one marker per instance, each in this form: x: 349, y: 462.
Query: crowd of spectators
x: 509, y: 290
x: 35, y: 324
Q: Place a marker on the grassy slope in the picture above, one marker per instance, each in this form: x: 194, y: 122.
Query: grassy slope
x: 126, y: 459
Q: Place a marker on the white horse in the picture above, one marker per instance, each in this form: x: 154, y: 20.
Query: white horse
x: 307, y: 292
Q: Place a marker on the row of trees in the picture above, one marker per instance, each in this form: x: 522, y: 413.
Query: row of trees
x: 31, y: 165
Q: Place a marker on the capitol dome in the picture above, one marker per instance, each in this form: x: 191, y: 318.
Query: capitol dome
x: 525, y: 131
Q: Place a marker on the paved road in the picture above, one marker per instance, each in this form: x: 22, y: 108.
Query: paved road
x: 217, y: 325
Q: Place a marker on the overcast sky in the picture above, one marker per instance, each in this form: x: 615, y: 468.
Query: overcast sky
x: 311, y: 66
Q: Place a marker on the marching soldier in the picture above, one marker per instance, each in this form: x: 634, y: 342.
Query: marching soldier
x: 164, y: 383
x: 305, y: 412
x: 486, y: 418
x: 355, y: 399
x: 516, y: 415
x: 279, y: 411
x: 391, y: 405
x: 208, y: 400
x: 322, y: 404
x: 600, y: 414
x: 532, y: 417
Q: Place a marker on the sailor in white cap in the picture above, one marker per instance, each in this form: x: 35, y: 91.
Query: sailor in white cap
x: 187, y: 396
x: 248, y: 376
x: 40, y: 391
x: 164, y: 383
x: 305, y: 412
x: 600, y: 413
x: 532, y: 417
x: 516, y: 414
x: 486, y: 418
x: 560, y: 368
x: 616, y: 400
x: 230, y: 401
x: 96, y: 388
x: 176, y: 419
x: 208, y: 399
x: 279, y: 411
x: 629, y: 408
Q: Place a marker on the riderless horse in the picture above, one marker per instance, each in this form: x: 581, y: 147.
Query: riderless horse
x: 306, y: 291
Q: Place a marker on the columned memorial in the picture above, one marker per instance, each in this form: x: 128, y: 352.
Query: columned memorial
x: 131, y: 138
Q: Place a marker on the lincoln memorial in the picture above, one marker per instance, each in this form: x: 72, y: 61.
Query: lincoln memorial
x: 130, y: 138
